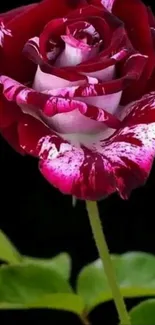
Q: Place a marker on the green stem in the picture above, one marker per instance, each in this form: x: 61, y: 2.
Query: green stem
x: 106, y: 260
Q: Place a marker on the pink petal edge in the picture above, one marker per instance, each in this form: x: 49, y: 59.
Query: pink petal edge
x: 121, y: 163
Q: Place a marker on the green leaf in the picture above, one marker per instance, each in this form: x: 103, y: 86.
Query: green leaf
x: 25, y: 283
x: 144, y: 313
x: 135, y: 275
x: 68, y: 302
x: 36, y: 286
x: 61, y: 301
x: 8, y: 252
x: 60, y: 263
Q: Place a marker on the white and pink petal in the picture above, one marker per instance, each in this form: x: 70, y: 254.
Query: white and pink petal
x: 63, y: 114
x: 120, y: 163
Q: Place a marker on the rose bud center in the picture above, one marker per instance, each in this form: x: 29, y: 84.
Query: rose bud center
x: 82, y: 43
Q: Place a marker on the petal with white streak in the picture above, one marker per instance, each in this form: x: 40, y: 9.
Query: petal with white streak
x: 44, y: 81
x: 61, y: 114
x: 108, y: 102
x: 121, y: 163
x: 108, y: 4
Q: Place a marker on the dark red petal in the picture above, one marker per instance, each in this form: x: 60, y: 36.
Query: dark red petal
x: 151, y: 81
x: 27, y: 137
x: 7, y: 16
x: 31, y: 50
x: 10, y: 134
x: 153, y: 36
x: 102, y: 28
x: 9, y: 112
x: 108, y: 4
x: 151, y: 17
x: 30, y: 22
x: 86, y: 12
x: 141, y: 111
x: 139, y: 87
x: 94, y: 11
x: 136, y: 25
x: 53, y: 30
x: 134, y: 14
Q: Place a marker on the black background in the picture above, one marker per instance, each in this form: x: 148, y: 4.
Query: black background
x: 41, y: 222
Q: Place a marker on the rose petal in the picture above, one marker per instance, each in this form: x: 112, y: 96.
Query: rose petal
x: 107, y: 72
x: 10, y: 134
x: 44, y: 81
x: 151, y: 81
x: 108, y: 4
x: 85, y: 12
x: 136, y: 25
x: 151, y: 17
x: 36, y: 16
x: 9, y: 113
x: 153, y: 35
x: 51, y: 32
x: 42, y: 106
x: 91, y: 12
x: 67, y: 180
x: 29, y: 140
x: 9, y: 15
x: 115, y: 41
x: 119, y: 45
x: 108, y: 102
x: 31, y: 50
x: 121, y: 163
x: 106, y: 95
x: 134, y: 67
x: 74, y: 55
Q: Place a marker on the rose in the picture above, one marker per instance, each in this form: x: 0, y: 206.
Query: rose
x: 64, y: 86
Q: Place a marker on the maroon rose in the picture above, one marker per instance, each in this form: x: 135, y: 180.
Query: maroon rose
x: 76, y: 91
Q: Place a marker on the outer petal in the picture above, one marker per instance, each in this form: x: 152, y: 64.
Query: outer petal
x: 46, y: 107
x: 104, y: 95
x: 9, y: 113
x: 29, y: 140
x: 10, y: 134
x: 53, y: 109
x: 65, y: 170
x: 108, y: 4
x: 151, y: 17
x: 11, y: 14
x: 119, y: 164
x: 151, y: 81
x: 136, y: 25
